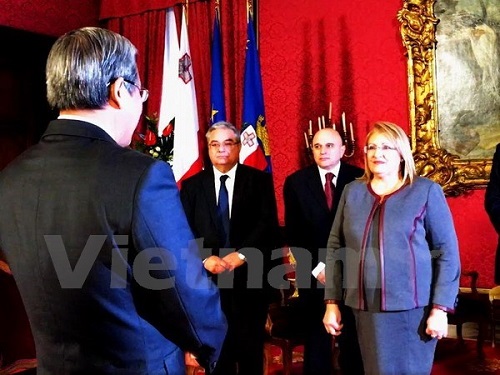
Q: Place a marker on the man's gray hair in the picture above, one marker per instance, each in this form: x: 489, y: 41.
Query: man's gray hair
x: 224, y: 125
x: 83, y: 63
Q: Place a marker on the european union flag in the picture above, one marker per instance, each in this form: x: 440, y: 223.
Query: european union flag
x: 218, y: 110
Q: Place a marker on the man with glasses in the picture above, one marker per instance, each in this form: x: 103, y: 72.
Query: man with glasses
x: 232, y: 208
x: 311, y: 196
x: 95, y: 233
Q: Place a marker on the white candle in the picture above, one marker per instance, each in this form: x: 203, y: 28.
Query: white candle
x: 319, y: 123
x: 343, y: 123
x: 330, y: 112
x: 323, y: 121
x: 310, y: 127
x: 307, y: 140
x: 352, y: 133
x: 334, y: 126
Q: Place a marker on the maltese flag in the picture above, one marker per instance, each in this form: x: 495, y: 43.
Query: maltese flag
x: 168, y: 103
x: 187, y: 160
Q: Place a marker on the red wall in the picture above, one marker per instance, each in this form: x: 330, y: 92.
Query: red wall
x: 313, y: 52
x: 49, y: 17
x: 349, y: 53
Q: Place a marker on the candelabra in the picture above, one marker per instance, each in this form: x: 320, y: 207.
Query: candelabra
x: 347, y: 135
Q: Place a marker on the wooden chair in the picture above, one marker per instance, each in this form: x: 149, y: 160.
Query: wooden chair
x: 283, y: 330
x: 494, y: 295
x: 472, y: 307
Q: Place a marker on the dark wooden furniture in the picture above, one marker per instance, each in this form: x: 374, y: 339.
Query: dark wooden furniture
x: 283, y: 330
x: 17, y: 348
x: 472, y: 307
x: 494, y: 295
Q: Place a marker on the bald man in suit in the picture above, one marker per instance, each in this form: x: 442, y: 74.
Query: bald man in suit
x: 308, y: 219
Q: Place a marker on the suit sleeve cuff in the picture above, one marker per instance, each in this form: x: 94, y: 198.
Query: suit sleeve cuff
x: 317, y: 270
x: 332, y: 302
x: 444, y: 308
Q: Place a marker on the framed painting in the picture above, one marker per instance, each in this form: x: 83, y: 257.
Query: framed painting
x: 453, y: 53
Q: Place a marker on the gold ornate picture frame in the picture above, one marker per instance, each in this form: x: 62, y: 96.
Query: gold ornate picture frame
x: 456, y: 174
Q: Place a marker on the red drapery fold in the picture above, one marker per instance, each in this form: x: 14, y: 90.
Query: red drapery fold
x: 120, y: 8
x: 147, y: 32
x: 143, y: 22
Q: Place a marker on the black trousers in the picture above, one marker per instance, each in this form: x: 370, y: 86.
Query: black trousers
x: 318, y: 345
x: 243, y: 349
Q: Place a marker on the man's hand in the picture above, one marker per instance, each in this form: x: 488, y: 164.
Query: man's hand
x: 215, y: 265
x: 321, y: 277
x: 190, y: 360
x: 233, y: 261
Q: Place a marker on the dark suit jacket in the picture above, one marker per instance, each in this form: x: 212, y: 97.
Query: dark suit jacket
x: 308, y: 220
x: 254, y: 227
x: 492, y: 205
x: 78, y: 201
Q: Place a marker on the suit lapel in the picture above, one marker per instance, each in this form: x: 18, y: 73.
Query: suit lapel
x: 208, y: 183
x: 241, y: 178
x: 313, y: 184
x: 342, y: 178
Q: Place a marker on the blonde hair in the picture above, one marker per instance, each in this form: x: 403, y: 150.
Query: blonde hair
x: 400, y: 140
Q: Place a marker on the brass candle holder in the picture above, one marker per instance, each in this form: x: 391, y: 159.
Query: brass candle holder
x: 346, y: 134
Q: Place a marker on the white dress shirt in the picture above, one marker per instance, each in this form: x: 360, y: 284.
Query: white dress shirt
x: 229, y: 185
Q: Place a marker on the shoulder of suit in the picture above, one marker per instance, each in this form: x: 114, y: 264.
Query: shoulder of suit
x: 303, y: 172
x: 125, y: 159
x: 242, y: 168
x: 197, y: 177
x: 425, y: 182
x: 351, y: 167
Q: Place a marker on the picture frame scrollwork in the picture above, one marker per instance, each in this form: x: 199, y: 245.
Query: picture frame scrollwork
x: 457, y: 176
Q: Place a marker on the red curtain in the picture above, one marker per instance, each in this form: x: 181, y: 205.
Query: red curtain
x: 147, y: 32
x: 120, y: 8
x: 143, y: 22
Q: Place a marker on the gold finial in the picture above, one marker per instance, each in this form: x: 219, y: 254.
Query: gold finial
x: 249, y: 9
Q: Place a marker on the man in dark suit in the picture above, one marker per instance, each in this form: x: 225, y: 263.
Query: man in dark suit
x: 492, y: 206
x: 308, y: 220
x: 95, y: 233
x: 238, y: 242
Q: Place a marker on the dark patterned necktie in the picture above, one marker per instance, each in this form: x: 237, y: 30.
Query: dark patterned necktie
x: 329, y: 190
x: 223, y: 209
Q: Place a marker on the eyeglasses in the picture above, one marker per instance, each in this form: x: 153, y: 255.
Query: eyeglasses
x: 318, y: 146
x: 226, y: 144
x: 144, y: 93
x: 384, y: 148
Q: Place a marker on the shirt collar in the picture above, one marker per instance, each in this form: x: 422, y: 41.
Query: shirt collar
x: 231, y: 173
x: 335, y: 170
x: 79, y: 118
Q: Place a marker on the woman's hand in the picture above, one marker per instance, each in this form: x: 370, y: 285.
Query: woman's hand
x: 437, y: 324
x: 332, y: 319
